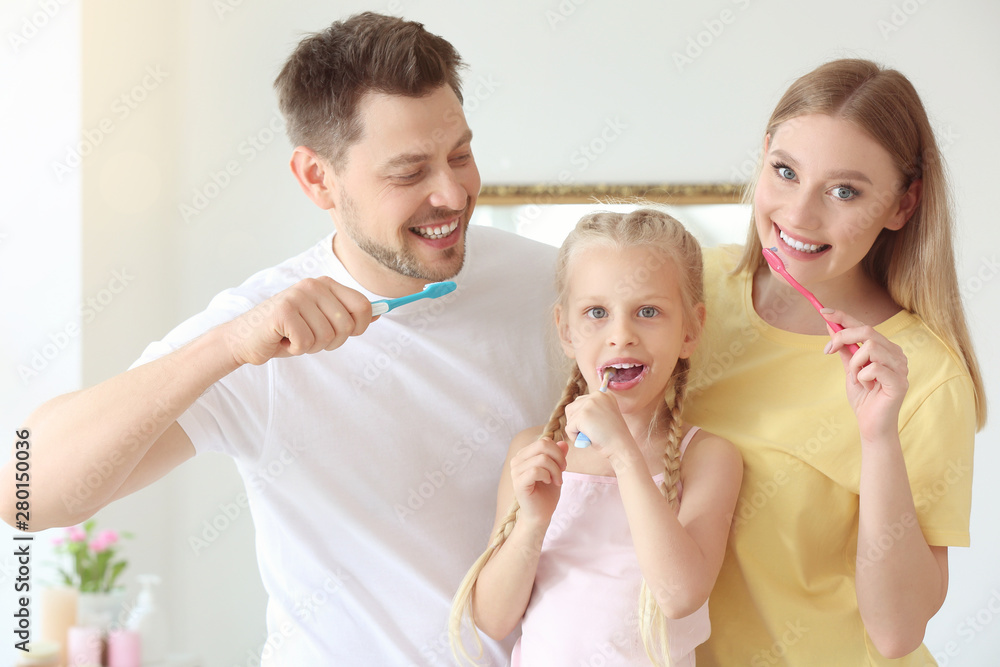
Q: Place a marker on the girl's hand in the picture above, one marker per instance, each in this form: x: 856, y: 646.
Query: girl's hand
x: 876, y: 374
x: 536, y: 475
x: 597, y: 415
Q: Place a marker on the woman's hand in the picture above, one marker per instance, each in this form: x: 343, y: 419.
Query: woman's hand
x: 876, y: 375
x: 536, y: 475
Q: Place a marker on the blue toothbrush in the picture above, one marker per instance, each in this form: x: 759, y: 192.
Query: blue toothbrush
x: 582, y: 440
x: 431, y: 291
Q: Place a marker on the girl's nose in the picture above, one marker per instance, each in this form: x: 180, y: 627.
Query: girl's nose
x: 621, y: 333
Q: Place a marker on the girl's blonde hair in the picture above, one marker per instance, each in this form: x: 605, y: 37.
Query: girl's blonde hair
x: 915, y: 264
x: 673, y: 246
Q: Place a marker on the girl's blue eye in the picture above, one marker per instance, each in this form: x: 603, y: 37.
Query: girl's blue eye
x: 844, y: 193
x: 648, y: 311
x: 786, y: 173
x: 597, y: 313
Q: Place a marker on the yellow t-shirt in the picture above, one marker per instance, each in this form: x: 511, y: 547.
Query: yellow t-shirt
x: 785, y: 595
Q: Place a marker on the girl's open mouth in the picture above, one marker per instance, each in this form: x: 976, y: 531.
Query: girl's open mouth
x: 625, y: 375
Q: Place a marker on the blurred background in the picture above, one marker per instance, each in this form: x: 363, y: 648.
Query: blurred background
x: 144, y: 169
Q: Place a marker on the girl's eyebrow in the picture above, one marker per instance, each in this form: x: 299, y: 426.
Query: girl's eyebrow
x: 848, y: 174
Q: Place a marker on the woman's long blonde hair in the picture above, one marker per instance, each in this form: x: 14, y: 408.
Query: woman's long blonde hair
x: 915, y: 264
x: 675, y: 246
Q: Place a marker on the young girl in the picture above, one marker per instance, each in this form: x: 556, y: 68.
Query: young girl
x: 607, y: 553
x: 839, y: 548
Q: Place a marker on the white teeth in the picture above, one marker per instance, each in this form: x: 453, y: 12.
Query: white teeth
x: 623, y: 366
x: 798, y: 245
x: 435, y: 232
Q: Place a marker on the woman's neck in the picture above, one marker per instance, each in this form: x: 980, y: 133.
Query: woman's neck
x: 781, y: 306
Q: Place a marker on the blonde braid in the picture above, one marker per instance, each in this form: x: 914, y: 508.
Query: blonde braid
x: 462, y: 604
x: 652, y: 621
x: 671, y: 452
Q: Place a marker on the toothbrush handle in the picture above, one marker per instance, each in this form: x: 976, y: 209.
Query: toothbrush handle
x: 853, y: 347
x: 582, y: 440
x: 816, y: 304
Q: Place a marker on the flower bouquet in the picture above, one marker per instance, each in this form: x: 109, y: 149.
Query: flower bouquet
x: 94, y: 568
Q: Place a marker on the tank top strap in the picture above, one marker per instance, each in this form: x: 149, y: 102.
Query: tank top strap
x: 687, y: 439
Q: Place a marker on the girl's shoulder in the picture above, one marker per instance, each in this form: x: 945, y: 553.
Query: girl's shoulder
x: 708, y: 451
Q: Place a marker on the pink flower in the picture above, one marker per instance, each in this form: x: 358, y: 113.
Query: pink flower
x: 57, y: 541
x: 108, y: 537
x: 98, y: 545
x: 75, y: 534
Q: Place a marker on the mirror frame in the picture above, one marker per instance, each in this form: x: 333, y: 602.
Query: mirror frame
x: 675, y: 194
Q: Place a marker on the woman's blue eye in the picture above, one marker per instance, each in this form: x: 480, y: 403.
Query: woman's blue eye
x: 648, y: 311
x: 844, y: 193
x: 786, y: 173
x: 597, y: 312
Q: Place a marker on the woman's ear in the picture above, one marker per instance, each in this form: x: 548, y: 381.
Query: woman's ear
x: 315, y: 176
x: 907, y: 205
x: 693, y: 334
x: 562, y: 328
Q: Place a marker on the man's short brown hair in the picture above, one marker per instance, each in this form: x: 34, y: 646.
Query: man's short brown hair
x: 330, y: 71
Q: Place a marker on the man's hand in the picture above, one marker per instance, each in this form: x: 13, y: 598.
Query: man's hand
x: 312, y: 315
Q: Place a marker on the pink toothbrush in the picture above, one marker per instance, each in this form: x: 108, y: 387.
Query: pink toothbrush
x: 771, y: 255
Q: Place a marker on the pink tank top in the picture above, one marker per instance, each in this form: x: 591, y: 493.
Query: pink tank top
x: 584, y: 605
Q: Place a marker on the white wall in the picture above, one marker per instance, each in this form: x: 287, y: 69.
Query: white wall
x: 40, y: 336
x: 545, y: 79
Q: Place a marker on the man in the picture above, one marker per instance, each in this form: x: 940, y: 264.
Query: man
x: 370, y: 449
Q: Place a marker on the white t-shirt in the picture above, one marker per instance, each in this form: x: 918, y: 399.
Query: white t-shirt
x: 371, y: 470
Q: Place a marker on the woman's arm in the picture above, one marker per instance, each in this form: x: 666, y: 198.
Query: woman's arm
x: 900, y: 580
x: 504, y: 586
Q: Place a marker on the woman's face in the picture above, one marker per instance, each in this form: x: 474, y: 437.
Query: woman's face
x: 825, y: 193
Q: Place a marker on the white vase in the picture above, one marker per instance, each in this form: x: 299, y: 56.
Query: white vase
x: 101, y: 610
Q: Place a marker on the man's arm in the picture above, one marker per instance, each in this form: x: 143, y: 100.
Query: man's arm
x: 91, y: 447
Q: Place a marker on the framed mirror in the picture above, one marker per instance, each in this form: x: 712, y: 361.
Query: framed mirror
x: 713, y: 212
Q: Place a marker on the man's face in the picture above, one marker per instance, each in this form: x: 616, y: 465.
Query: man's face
x: 405, y: 192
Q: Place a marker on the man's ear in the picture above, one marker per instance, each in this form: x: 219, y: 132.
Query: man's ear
x: 315, y: 176
x: 907, y: 205
x: 693, y: 334
x: 562, y: 328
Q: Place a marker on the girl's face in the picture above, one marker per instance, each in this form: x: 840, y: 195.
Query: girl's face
x: 624, y: 310
x: 826, y: 191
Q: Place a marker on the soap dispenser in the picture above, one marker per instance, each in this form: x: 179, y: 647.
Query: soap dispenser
x: 150, y: 622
